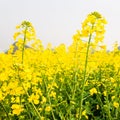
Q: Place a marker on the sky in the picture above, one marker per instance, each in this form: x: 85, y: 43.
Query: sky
x: 56, y: 21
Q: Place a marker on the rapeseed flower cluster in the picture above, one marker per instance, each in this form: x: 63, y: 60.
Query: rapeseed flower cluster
x: 46, y: 83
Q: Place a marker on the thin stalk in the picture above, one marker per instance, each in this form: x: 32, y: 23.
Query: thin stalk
x: 75, y: 71
x: 30, y: 117
x: 5, y: 111
x: 52, y: 109
x: 31, y: 101
x: 23, y: 47
x: 49, y: 99
x: 108, y: 108
x: 84, y: 78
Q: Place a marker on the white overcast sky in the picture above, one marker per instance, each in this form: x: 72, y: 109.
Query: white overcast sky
x: 56, y: 21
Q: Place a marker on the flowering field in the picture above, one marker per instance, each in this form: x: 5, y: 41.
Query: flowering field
x: 79, y: 82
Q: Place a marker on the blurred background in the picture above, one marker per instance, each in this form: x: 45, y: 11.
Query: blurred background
x: 56, y: 21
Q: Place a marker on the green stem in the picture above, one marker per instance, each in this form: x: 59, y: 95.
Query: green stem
x: 5, y: 111
x: 50, y: 102
x: 27, y: 109
x: 108, y: 108
x: 23, y: 47
x: 84, y: 77
x: 52, y: 108
x: 28, y: 97
x: 31, y: 102
x: 75, y: 71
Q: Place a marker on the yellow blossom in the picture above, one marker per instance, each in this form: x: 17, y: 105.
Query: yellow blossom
x: 1, y: 95
x: 113, y: 97
x: 93, y: 91
x: 53, y: 94
x: 34, y: 98
x: 116, y: 104
x: 48, y: 109
x: 97, y: 107
x: 43, y: 100
x: 84, y: 114
x: 105, y: 93
x: 17, y: 109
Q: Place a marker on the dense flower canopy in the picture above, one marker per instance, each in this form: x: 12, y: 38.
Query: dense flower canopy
x: 47, y: 83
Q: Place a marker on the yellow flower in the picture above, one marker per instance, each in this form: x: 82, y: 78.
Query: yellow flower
x: 1, y: 95
x: 112, y: 80
x: 84, y: 114
x: 53, y: 94
x: 42, y: 118
x: 113, y: 97
x: 34, y: 98
x: 105, y: 93
x: 93, y: 91
x: 47, y: 109
x: 97, y: 107
x: 43, y: 100
x: 77, y: 115
x: 17, y: 109
x: 36, y: 101
x: 12, y: 99
x: 40, y: 109
x: 103, y: 46
x: 94, y: 24
x: 17, y: 99
x: 16, y: 35
x: 116, y: 104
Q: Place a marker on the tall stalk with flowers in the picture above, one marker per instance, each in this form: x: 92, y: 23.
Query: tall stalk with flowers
x: 26, y: 33
x: 92, y: 29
